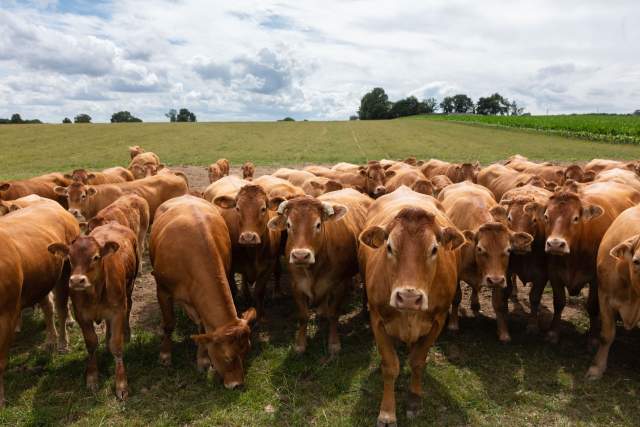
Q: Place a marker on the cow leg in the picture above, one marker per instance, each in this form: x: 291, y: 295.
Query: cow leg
x: 202, y: 358
x: 260, y: 288
x: 231, y: 279
x: 500, y: 301
x: 91, y: 342
x: 365, y: 299
x: 594, y: 316
x: 303, y: 319
x: 333, y: 313
x: 61, y: 301
x: 116, y: 346
x: 417, y: 361
x: 559, y: 301
x: 454, y: 317
x: 475, y: 301
x: 46, y: 306
x: 165, y: 299
x: 7, y: 327
x: 390, y: 367
x: 607, y: 335
x: 513, y: 296
x: 535, y: 296
x: 277, y: 277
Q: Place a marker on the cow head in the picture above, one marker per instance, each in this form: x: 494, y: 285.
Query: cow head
x: 628, y: 252
x: 135, y: 150
x: 6, y: 207
x: 467, y: 172
x: 315, y: 188
x: 248, y: 170
x: 303, y: 218
x: 423, y: 186
x: 577, y: 174
x: 215, y: 173
x: 412, y: 243
x: 492, y: 244
x: 86, y: 257
x: 375, y: 177
x: 80, y: 175
x: 78, y: 197
x: 252, y: 206
x: 228, y: 346
x: 524, y: 214
x: 564, y: 218
x: 439, y: 183
x: 145, y: 170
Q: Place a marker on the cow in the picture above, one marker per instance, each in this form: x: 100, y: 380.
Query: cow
x: 294, y: 176
x: 197, y: 280
x: 599, y: 165
x: 577, y: 174
x: 255, y: 248
x: 321, y: 250
x: 135, y: 150
x: 369, y: 180
x: 456, y: 172
x: 409, y: 257
x: 524, y: 211
x: 144, y: 165
x: 485, y: 255
x: 277, y: 189
x: 42, y: 186
x: 439, y: 182
x: 218, y: 169
x: 548, y: 172
x: 28, y: 272
x: 618, y: 269
x: 624, y: 176
x: 248, y: 170
x: 131, y: 211
x: 226, y: 186
x: 409, y: 177
x: 104, y: 266
x: 346, y: 167
x: 500, y: 179
x: 574, y: 226
x: 108, y: 176
x: 318, y: 185
x: 521, y: 163
x: 85, y: 201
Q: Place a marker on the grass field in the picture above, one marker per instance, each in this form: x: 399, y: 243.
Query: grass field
x: 599, y: 127
x: 33, y: 149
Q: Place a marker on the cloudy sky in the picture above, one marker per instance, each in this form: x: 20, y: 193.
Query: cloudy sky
x: 258, y: 60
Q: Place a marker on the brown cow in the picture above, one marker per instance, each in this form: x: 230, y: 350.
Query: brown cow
x: 548, y: 172
x: 577, y: 174
x: 439, y: 182
x: 322, y: 244
x: 218, y: 169
x: 409, y: 177
x: 618, y: 283
x: 144, y: 165
x: 108, y: 176
x: 346, y: 167
x: 370, y: 179
x: 456, y: 172
x: 135, y: 150
x: 255, y: 248
x: 42, y: 186
x: 409, y: 257
x: 226, y: 186
x: 485, y: 255
x: 131, y: 211
x: 500, y: 179
x: 86, y: 201
x: 294, y: 176
x: 318, y: 185
x: 104, y: 266
x: 28, y: 272
x: 277, y: 189
x: 248, y: 170
x: 197, y: 280
x: 599, y: 165
x: 574, y: 227
x: 623, y: 176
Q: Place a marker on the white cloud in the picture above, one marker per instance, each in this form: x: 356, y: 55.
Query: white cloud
x: 265, y: 60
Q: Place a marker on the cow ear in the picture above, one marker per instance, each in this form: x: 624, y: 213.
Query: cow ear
x: 469, y: 235
x: 201, y: 339
x: 13, y: 207
x: 277, y: 223
x: 624, y: 250
x: 373, y: 237
x: 68, y: 176
x: 591, y: 212
x: 389, y: 174
x: 93, y: 223
x: 550, y: 185
x: 109, y: 247
x: 333, y: 212
x: 249, y: 315
x: 589, y: 176
x: 226, y: 202
x: 91, y: 191
x: 362, y: 172
x: 499, y: 213
x: 4, y: 186
x: 332, y: 185
x: 420, y: 163
x: 521, y: 242
x: 274, y: 203
x: 59, y: 249
x: 60, y: 191
x: 452, y: 237
x: 316, y: 185
x: 476, y: 165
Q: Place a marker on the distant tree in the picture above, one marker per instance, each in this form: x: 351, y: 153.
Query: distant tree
x: 353, y: 117
x: 493, y: 105
x: 430, y: 105
x: 171, y: 115
x: 374, y: 105
x: 66, y: 120
x: 82, y: 118
x: 16, y: 119
x: 288, y: 119
x: 124, y: 117
x: 636, y: 113
x: 462, y: 104
x: 447, y: 105
x: 514, y: 110
x: 405, y: 107
x: 185, y: 115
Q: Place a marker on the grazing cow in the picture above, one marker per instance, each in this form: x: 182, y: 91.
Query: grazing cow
x: 485, y: 255
x: 248, y: 170
x: 277, y: 189
x: 577, y: 174
x: 321, y: 249
x: 108, y: 176
x: 524, y: 213
x: 197, y: 280
x: 256, y: 249
x: 574, y: 226
x: 456, y: 172
x: 599, y: 165
x: 318, y: 185
x: 618, y: 283
x: 28, y: 272
x: 86, y: 201
x: 144, y: 165
x: 409, y: 177
x: 409, y: 257
x: 131, y: 211
x: 500, y: 179
x: 104, y: 266
x: 294, y: 176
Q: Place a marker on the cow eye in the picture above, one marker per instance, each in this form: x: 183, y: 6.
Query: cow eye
x: 263, y: 209
x: 434, y: 250
x: 95, y: 258
x: 636, y: 262
x: 576, y: 219
x: 84, y: 196
x: 509, y: 218
x: 546, y: 218
x: 318, y: 225
x: 479, y: 249
x: 389, y: 249
x: 288, y: 225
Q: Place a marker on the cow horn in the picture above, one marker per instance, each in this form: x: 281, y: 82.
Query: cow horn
x: 282, y: 207
x: 328, y: 209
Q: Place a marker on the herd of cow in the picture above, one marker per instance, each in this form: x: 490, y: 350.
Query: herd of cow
x: 410, y: 230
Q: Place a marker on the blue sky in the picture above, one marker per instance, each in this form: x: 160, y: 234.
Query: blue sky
x: 260, y: 60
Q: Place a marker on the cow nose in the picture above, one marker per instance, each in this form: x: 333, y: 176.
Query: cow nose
x: 78, y: 281
x: 232, y: 385
x: 301, y: 256
x: 381, y: 189
x: 74, y: 212
x: 249, y: 238
x: 409, y: 299
x: 557, y: 246
x: 497, y: 281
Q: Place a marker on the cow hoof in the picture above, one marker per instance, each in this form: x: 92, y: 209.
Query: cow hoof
x: 383, y: 423
x: 594, y: 373
x: 165, y: 359
x: 552, y: 337
x: 334, y: 349
x: 122, y: 394
x: 414, y: 405
x: 505, y: 339
x: 92, y: 384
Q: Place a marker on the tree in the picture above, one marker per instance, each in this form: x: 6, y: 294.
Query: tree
x: 493, y: 105
x: 288, y: 119
x: 374, y: 105
x: 429, y: 105
x: 185, y: 115
x: 82, y: 118
x: 124, y: 117
x: 16, y: 119
x: 66, y: 120
x: 462, y: 104
x: 405, y: 107
x: 447, y: 105
x: 515, y: 110
x: 171, y: 115
x: 636, y: 113
x: 353, y: 117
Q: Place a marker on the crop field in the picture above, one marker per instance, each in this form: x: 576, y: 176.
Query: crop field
x: 599, y: 127
x: 470, y: 378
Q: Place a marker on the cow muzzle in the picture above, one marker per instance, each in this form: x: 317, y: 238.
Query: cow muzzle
x: 76, y: 213
x: 302, y: 257
x: 495, y: 281
x: 379, y: 191
x: 249, y: 238
x: 557, y: 246
x: 79, y: 282
x: 408, y: 299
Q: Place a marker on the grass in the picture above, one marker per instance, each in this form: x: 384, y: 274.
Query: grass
x: 599, y: 127
x: 28, y: 150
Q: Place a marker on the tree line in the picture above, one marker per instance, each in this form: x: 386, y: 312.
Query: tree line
x: 375, y: 105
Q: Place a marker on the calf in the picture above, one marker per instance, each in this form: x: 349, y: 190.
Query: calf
x: 197, y: 280
x: 104, y: 266
x: 409, y: 256
x: 321, y: 250
x: 28, y: 272
x: 369, y: 180
x: 248, y: 170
